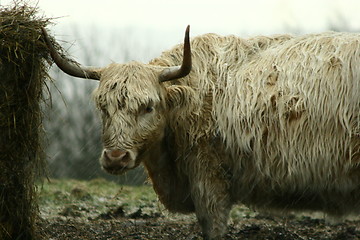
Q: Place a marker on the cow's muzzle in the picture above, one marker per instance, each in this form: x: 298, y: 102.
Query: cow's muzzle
x: 117, y: 161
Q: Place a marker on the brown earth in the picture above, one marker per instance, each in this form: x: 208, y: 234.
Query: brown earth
x: 134, y: 213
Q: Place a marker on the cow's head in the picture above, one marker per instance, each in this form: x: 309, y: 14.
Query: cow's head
x: 132, y: 100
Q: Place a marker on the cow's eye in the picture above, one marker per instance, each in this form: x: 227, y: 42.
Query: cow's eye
x: 149, y: 109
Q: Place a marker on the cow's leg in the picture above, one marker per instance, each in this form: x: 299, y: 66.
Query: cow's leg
x: 209, y: 191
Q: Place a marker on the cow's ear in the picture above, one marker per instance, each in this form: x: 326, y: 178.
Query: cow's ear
x: 179, y: 96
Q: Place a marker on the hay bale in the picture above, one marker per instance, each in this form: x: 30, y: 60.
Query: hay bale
x: 23, y: 70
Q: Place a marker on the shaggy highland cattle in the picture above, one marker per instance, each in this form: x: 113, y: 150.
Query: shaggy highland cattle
x: 270, y: 122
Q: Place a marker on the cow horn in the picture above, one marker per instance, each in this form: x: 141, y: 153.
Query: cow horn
x: 183, y: 70
x: 69, y: 67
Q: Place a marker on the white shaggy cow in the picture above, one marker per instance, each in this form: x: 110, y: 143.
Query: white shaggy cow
x: 271, y: 122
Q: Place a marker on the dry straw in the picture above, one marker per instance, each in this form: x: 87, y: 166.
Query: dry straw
x: 23, y: 71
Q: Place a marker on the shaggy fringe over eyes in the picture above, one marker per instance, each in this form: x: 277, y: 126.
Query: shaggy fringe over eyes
x: 124, y: 93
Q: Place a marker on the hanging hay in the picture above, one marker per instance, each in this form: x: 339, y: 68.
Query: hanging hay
x: 23, y: 70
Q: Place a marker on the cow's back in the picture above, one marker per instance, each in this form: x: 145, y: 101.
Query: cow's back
x: 291, y: 121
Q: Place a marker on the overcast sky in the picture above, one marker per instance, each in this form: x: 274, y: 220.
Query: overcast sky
x: 223, y: 16
x: 165, y: 20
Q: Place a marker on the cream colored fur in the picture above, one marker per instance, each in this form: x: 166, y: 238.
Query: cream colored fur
x: 272, y: 122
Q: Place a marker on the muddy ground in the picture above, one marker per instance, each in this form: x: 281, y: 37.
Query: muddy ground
x: 103, y: 210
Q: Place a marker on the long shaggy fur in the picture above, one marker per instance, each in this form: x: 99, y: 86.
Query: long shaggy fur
x: 287, y: 111
x: 272, y: 122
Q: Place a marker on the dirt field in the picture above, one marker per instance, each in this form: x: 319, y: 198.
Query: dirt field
x: 99, y: 209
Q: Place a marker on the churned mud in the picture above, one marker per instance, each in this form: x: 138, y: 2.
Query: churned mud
x: 99, y: 209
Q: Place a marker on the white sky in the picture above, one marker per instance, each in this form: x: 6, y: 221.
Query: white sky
x: 164, y: 21
x: 222, y: 16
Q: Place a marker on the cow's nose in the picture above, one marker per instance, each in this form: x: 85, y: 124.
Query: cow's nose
x: 116, y: 161
x: 115, y: 155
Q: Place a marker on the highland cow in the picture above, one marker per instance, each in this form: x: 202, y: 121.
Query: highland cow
x: 270, y: 122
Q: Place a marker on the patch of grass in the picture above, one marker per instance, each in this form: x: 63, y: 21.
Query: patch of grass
x: 68, y: 197
x: 89, y: 199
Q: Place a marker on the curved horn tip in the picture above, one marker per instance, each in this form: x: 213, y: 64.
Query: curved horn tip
x: 187, y: 29
x: 187, y: 34
x: 177, y: 72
